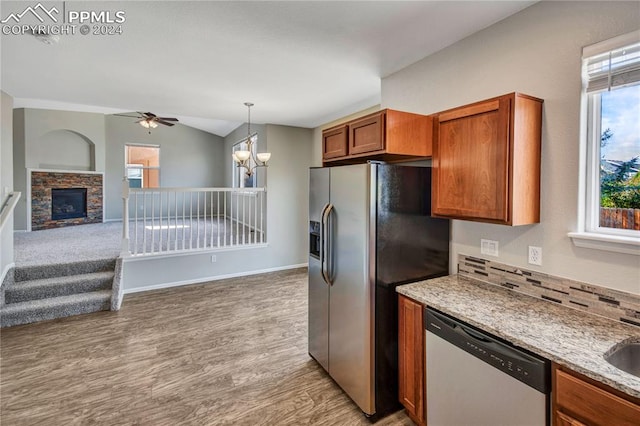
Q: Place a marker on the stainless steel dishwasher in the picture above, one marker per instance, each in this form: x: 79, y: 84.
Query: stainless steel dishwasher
x: 476, y: 379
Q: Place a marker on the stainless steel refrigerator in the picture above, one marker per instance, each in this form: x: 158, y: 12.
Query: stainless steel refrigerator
x: 370, y: 230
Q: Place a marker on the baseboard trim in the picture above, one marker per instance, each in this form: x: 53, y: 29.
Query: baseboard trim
x: 213, y: 278
x: 6, y: 270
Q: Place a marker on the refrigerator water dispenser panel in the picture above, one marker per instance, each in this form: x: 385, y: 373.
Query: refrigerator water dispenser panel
x: 314, y: 239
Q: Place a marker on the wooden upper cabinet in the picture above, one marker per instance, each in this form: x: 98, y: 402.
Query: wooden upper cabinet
x: 334, y: 142
x: 486, y: 161
x: 386, y: 135
x: 411, y: 358
x: 367, y: 134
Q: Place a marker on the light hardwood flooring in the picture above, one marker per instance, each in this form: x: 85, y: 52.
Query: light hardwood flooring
x: 231, y: 352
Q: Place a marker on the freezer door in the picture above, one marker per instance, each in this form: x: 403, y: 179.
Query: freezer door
x: 318, y: 288
x: 411, y: 244
x: 319, y: 180
x: 351, y: 295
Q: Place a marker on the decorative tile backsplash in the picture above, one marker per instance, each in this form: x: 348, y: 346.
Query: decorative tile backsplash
x: 590, y: 298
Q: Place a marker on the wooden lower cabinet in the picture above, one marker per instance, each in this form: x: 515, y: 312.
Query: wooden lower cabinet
x: 561, y: 419
x: 411, y: 360
x: 581, y: 401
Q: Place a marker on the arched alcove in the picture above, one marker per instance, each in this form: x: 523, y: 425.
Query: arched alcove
x: 66, y: 150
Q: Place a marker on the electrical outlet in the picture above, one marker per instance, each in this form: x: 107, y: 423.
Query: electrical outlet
x: 535, y: 255
x: 214, y: 259
x: 489, y: 247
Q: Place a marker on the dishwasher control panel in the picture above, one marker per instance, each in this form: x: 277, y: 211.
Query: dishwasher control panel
x: 516, y: 362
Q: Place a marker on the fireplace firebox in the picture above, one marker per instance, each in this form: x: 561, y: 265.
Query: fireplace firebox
x: 68, y: 203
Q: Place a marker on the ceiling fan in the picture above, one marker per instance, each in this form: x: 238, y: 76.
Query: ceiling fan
x: 149, y: 120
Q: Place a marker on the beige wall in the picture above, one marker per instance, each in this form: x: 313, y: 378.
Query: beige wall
x: 36, y: 131
x: 6, y: 145
x: 538, y: 52
x: 287, y: 185
x: 69, y: 140
x: 6, y: 179
x: 188, y: 157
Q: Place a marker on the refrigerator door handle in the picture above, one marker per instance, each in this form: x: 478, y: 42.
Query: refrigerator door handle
x: 325, y: 248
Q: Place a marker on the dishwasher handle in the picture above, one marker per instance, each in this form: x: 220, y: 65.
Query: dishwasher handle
x: 492, y: 344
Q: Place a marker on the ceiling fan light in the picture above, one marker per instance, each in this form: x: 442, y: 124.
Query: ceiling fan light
x: 145, y: 124
x: 264, y: 156
x: 153, y: 124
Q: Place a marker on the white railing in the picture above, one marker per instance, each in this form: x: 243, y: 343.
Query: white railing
x: 169, y: 220
x: 7, y: 208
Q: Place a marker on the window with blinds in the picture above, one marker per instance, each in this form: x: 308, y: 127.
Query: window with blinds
x: 613, y: 69
x: 611, y: 81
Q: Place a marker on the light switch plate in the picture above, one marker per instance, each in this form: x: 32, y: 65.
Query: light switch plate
x: 489, y: 247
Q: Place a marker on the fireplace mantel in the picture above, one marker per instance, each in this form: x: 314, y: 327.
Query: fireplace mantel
x: 39, y: 185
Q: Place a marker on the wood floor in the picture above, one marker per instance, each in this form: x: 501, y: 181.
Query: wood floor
x: 230, y: 352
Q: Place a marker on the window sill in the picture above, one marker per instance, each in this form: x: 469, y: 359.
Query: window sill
x: 618, y: 244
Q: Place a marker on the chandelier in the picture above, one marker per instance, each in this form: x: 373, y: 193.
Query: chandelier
x: 248, y: 158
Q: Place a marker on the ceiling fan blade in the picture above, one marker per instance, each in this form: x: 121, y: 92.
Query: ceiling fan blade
x: 167, y: 118
x: 164, y: 122
x: 124, y: 115
x: 149, y: 114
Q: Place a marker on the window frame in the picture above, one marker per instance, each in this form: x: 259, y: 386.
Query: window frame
x: 135, y: 166
x: 589, y: 233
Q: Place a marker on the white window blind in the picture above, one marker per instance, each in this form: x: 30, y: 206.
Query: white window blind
x: 608, y: 68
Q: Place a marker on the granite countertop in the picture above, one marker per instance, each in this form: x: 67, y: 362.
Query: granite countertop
x: 566, y: 336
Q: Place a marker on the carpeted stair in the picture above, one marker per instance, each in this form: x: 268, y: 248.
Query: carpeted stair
x: 44, y: 292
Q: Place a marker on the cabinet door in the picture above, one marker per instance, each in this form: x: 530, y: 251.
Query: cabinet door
x: 334, y: 142
x: 471, y: 162
x: 597, y: 406
x: 366, y: 134
x: 411, y: 358
x: 562, y: 419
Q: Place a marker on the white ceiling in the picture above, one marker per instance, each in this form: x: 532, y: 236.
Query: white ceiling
x: 302, y: 63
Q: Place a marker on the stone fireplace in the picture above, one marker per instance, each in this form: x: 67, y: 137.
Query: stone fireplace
x: 65, y: 198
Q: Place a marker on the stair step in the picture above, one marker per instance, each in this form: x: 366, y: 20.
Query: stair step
x: 29, y: 273
x: 23, y: 291
x: 54, y: 307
